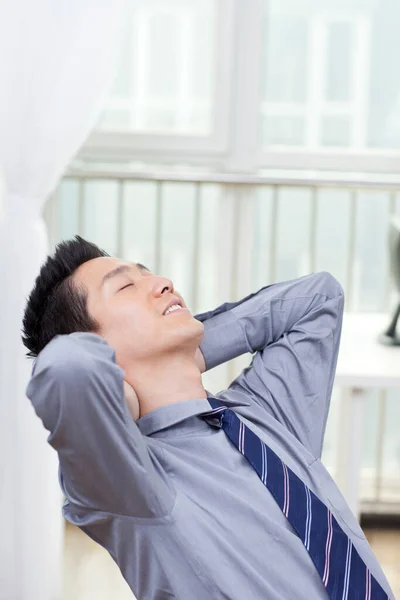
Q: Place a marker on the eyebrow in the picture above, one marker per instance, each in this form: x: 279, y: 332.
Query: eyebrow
x: 122, y: 269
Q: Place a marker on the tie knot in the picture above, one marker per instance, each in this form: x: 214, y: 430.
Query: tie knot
x: 216, y: 414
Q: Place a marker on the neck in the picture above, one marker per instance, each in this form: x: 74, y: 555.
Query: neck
x: 166, y: 380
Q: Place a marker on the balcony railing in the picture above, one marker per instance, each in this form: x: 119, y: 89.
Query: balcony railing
x: 221, y: 236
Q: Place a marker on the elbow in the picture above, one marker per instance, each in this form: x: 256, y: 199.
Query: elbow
x: 61, y: 365
x: 328, y: 285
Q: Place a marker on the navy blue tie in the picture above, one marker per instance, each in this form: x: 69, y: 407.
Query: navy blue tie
x: 343, y: 572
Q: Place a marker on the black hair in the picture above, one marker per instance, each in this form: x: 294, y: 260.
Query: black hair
x: 56, y: 304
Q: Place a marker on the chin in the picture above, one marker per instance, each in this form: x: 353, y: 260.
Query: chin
x: 190, y: 331
x: 198, y: 328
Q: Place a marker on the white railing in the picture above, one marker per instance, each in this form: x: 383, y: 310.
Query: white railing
x: 241, y: 201
x: 220, y: 236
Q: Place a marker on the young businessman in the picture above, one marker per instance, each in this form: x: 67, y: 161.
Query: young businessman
x: 196, y: 496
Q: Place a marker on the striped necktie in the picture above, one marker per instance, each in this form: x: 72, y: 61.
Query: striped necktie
x: 343, y: 572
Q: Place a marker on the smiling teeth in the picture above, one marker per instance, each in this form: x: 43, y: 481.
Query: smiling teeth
x: 171, y: 308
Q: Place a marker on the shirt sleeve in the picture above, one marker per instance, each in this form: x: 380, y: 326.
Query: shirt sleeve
x: 294, y: 330
x: 105, y: 463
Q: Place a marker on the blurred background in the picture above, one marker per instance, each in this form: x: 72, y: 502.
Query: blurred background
x: 227, y: 145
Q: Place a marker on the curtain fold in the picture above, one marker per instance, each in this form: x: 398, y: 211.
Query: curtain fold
x: 57, y: 60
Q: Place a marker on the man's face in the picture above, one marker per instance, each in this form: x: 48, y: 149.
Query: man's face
x: 129, y: 303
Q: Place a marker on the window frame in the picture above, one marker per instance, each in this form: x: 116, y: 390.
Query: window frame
x: 113, y: 145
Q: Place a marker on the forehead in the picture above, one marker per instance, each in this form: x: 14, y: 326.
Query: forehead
x: 93, y: 271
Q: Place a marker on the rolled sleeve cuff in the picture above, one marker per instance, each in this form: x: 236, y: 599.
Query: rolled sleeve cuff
x: 223, y: 339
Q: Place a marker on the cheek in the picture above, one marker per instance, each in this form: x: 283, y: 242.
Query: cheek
x: 131, y: 328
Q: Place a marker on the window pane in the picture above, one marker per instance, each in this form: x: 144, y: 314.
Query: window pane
x: 283, y: 130
x: 165, y: 83
x: 338, y: 68
x: 335, y: 65
x: 335, y: 131
x: 285, y: 50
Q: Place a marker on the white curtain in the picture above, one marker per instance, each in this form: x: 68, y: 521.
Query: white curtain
x: 57, y: 58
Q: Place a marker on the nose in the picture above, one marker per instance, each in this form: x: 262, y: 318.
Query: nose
x: 162, y: 285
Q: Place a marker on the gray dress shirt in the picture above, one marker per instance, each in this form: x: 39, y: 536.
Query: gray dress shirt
x: 177, y: 506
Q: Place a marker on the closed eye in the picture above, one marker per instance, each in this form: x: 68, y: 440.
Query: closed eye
x: 125, y: 286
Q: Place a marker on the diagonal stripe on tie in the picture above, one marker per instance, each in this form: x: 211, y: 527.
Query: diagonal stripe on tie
x: 343, y: 572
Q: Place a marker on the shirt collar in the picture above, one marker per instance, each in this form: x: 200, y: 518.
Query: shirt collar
x: 171, y: 414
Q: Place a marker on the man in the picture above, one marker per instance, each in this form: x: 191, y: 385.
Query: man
x: 117, y: 382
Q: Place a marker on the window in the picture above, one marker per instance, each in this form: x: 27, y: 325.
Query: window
x: 328, y: 84
x: 165, y: 82
x: 169, y: 98
x: 265, y: 84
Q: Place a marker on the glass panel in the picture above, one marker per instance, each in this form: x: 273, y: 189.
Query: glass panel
x: 283, y: 130
x: 100, y: 214
x: 332, y: 232
x: 165, y: 83
x: 68, y: 195
x: 285, y: 59
x: 163, y: 48
x: 177, y: 239
x: 371, y: 259
x: 338, y: 71
x: 208, y: 273
x: 335, y: 131
x: 263, y: 237
x: 293, y: 233
x: 139, y: 223
x: 207, y: 283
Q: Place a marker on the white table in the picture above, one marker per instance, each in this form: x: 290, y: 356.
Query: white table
x: 363, y: 363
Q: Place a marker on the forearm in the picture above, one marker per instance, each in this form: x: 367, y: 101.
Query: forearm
x: 262, y: 318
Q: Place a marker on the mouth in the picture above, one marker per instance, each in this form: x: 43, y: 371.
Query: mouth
x: 174, y: 306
